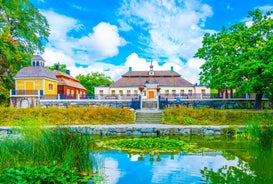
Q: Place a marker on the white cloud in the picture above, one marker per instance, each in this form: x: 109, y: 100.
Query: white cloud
x: 265, y: 8
x: 103, y: 42
x: 175, y: 30
x: 172, y: 25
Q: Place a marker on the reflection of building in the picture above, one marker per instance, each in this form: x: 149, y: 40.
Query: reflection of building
x: 68, y: 86
x: 32, y: 82
x: 150, y: 84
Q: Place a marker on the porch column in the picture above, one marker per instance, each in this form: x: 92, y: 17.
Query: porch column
x: 141, y: 89
x: 158, y: 94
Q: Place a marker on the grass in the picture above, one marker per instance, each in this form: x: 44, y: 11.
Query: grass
x: 208, y: 116
x: 52, y: 153
x: 65, y: 116
x: 110, y: 115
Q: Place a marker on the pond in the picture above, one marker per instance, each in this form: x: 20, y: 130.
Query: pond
x: 220, y: 160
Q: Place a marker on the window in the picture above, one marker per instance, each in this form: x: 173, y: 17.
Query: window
x: 203, y: 91
x: 101, y: 92
x: 190, y: 91
x: 128, y: 92
x: 135, y: 92
x: 50, y: 87
x: 173, y: 92
x: 68, y: 91
x: 182, y: 92
x: 167, y: 92
x: 113, y: 92
x: 120, y: 92
x: 144, y: 93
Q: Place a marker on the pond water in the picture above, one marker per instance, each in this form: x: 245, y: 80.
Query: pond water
x: 226, y: 160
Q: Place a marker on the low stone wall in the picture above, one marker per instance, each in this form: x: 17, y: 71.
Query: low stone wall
x: 67, y: 103
x: 146, y: 130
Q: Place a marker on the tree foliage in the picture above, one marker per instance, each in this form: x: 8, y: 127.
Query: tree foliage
x: 23, y: 31
x: 61, y: 67
x: 93, y: 79
x: 240, y: 57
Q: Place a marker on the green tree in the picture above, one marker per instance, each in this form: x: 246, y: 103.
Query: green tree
x: 61, y: 67
x: 93, y: 79
x: 23, y: 31
x: 240, y: 57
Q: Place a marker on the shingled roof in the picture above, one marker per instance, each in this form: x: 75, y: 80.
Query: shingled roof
x: 68, y: 80
x: 163, y: 78
x: 35, y: 72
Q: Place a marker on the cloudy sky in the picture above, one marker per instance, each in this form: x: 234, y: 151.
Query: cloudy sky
x: 109, y: 36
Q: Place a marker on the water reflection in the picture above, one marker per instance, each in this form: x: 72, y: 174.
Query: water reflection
x: 122, y: 168
x: 235, y: 161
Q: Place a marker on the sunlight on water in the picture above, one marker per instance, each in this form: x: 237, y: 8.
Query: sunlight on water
x: 122, y: 168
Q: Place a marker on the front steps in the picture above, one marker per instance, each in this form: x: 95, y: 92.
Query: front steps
x: 148, y: 117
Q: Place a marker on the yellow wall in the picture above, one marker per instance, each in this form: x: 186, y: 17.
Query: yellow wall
x: 36, y: 84
x: 48, y: 91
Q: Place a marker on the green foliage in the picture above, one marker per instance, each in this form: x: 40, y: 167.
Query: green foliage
x: 240, y: 57
x: 149, y: 144
x: 65, y: 116
x: 38, y: 146
x: 89, y: 81
x: 229, y: 174
x: 54, y: 155
x: 62, y: 67
x: 53, y: 173
x: 188, y: 115
x: 23, y: 31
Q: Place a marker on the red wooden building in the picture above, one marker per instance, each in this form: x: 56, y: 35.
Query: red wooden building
x: 68, y: 86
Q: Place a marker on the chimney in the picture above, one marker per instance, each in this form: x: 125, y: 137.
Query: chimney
x: 130, y: 69
x: 67, y: 72
x: 171, y: 68
x: 57, y: 67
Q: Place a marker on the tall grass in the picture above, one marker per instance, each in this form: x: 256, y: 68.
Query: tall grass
x: 209, y: 116
x: 37, y: 147
x: 65, y: 116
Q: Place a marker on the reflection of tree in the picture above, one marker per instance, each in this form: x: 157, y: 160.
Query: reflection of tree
x: 229, y: 174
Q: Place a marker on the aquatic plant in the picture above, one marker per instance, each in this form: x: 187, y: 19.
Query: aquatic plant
x: 39, y: 148
x: 149, y: 145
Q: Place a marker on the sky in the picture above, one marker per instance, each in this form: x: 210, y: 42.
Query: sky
x: 109, y: 36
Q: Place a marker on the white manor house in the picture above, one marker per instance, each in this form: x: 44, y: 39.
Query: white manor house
x: 150, y: 84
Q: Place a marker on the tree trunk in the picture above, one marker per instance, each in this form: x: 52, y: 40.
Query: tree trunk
x: 258, y: 101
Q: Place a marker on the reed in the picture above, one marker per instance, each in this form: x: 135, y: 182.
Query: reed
x: 42, y: 147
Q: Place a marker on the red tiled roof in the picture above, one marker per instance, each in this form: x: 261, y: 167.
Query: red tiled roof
x: 65, y: 79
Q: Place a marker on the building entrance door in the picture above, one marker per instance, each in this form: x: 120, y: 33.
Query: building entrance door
x: 29, y: 88
x: 151, y: 94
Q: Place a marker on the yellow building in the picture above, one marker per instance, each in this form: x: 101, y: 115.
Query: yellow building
x: 33, y: 82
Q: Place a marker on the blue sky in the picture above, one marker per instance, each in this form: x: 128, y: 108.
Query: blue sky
x: 110, y: 36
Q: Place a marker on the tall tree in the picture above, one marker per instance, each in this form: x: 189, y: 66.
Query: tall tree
x: 23, y: 31
x: 93, y: 79
x: 240, y: 57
